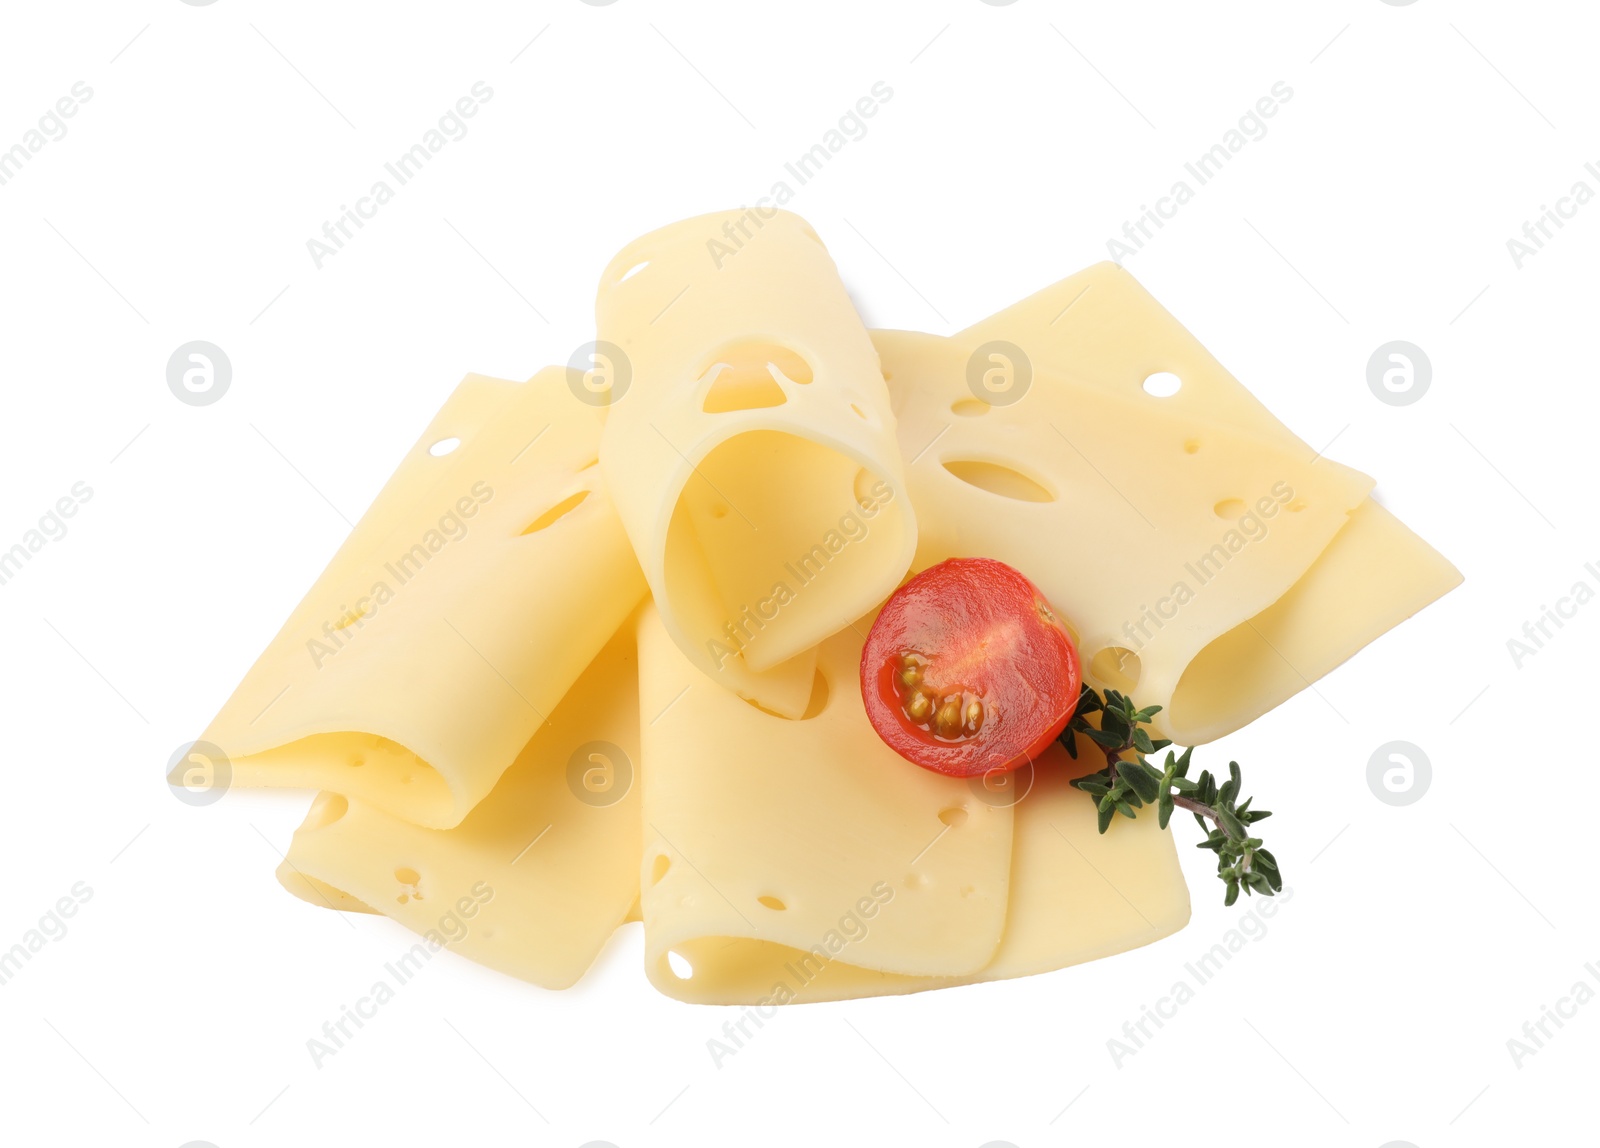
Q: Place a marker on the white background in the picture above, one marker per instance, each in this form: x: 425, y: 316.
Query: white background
x: 1018, y: 140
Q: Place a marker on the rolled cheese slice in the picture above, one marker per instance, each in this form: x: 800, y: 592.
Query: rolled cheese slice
x: 540, y: 873
x: 749, y: 446
x: 485, y: 576
x: 1210, y: 561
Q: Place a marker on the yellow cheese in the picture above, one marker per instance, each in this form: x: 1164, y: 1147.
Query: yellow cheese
x: 538, y: 876
x: 1210, y: 561
x: 762, y: 830
x: 487, y: 573
x: 750, y: 446
x: 1075, y: 895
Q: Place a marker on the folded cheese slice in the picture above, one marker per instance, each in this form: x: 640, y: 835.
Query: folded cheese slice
x: 539, y: 874
x: 1075, y: 895
x: 749, y: 445
x: 763, y: 831
x: 485, y: 576
x: 1211, y: 562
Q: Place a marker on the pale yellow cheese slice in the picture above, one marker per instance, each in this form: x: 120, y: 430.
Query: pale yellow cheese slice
x: 487, y: 573
x: 762, y: 830
x: 539, y: 874
x: 1150, y: 533
x: 1210, y: 561
x: 1075, y: 895
x: 749, y: 445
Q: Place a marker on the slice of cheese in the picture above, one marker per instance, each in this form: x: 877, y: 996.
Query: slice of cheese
x: 750, y: 446
x: 487, y: 573
x: 1075, y: 895
x: 538, y: 876
x: 761, y: 830
x: 1152, y: 534
x: 1212, y: 562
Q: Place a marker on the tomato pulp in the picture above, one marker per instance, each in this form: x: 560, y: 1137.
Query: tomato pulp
x: 969, y: 670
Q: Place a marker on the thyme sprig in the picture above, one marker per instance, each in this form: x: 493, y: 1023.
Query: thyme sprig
x: 1129, y: 783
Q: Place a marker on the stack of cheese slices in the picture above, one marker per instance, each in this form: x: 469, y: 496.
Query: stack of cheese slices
x: 592, y: 654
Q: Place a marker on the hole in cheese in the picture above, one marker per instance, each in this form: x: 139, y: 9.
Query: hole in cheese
x: 632, y: 271
x: 954, y: 817
x: 659, y: 867
x: 679, y: 965
x: 407, y: 876
x: 1118, y: 667
x: 738, y: 389
x: 1296, y: 506
x: 970, y: 408
x: 1162, y: 384
x: 997, y: 479
x: 1191, y: 446
x: 746, y: 375
x: 772, y: 902
x: 861, y: 414
x: 560, y: 510
x: 443, y: 447
x: 1230, y: 508
x: 326, y: 809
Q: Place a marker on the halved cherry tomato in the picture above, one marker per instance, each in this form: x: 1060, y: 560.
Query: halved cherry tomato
x: 968, y: 670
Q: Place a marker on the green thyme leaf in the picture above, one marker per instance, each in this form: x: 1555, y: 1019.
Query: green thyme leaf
x: 1130, y: 783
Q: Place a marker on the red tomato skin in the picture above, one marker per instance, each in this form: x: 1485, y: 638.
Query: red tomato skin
x: 1030, y: 684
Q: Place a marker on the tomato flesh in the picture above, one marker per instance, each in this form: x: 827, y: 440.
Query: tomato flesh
x: 968, y: 669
